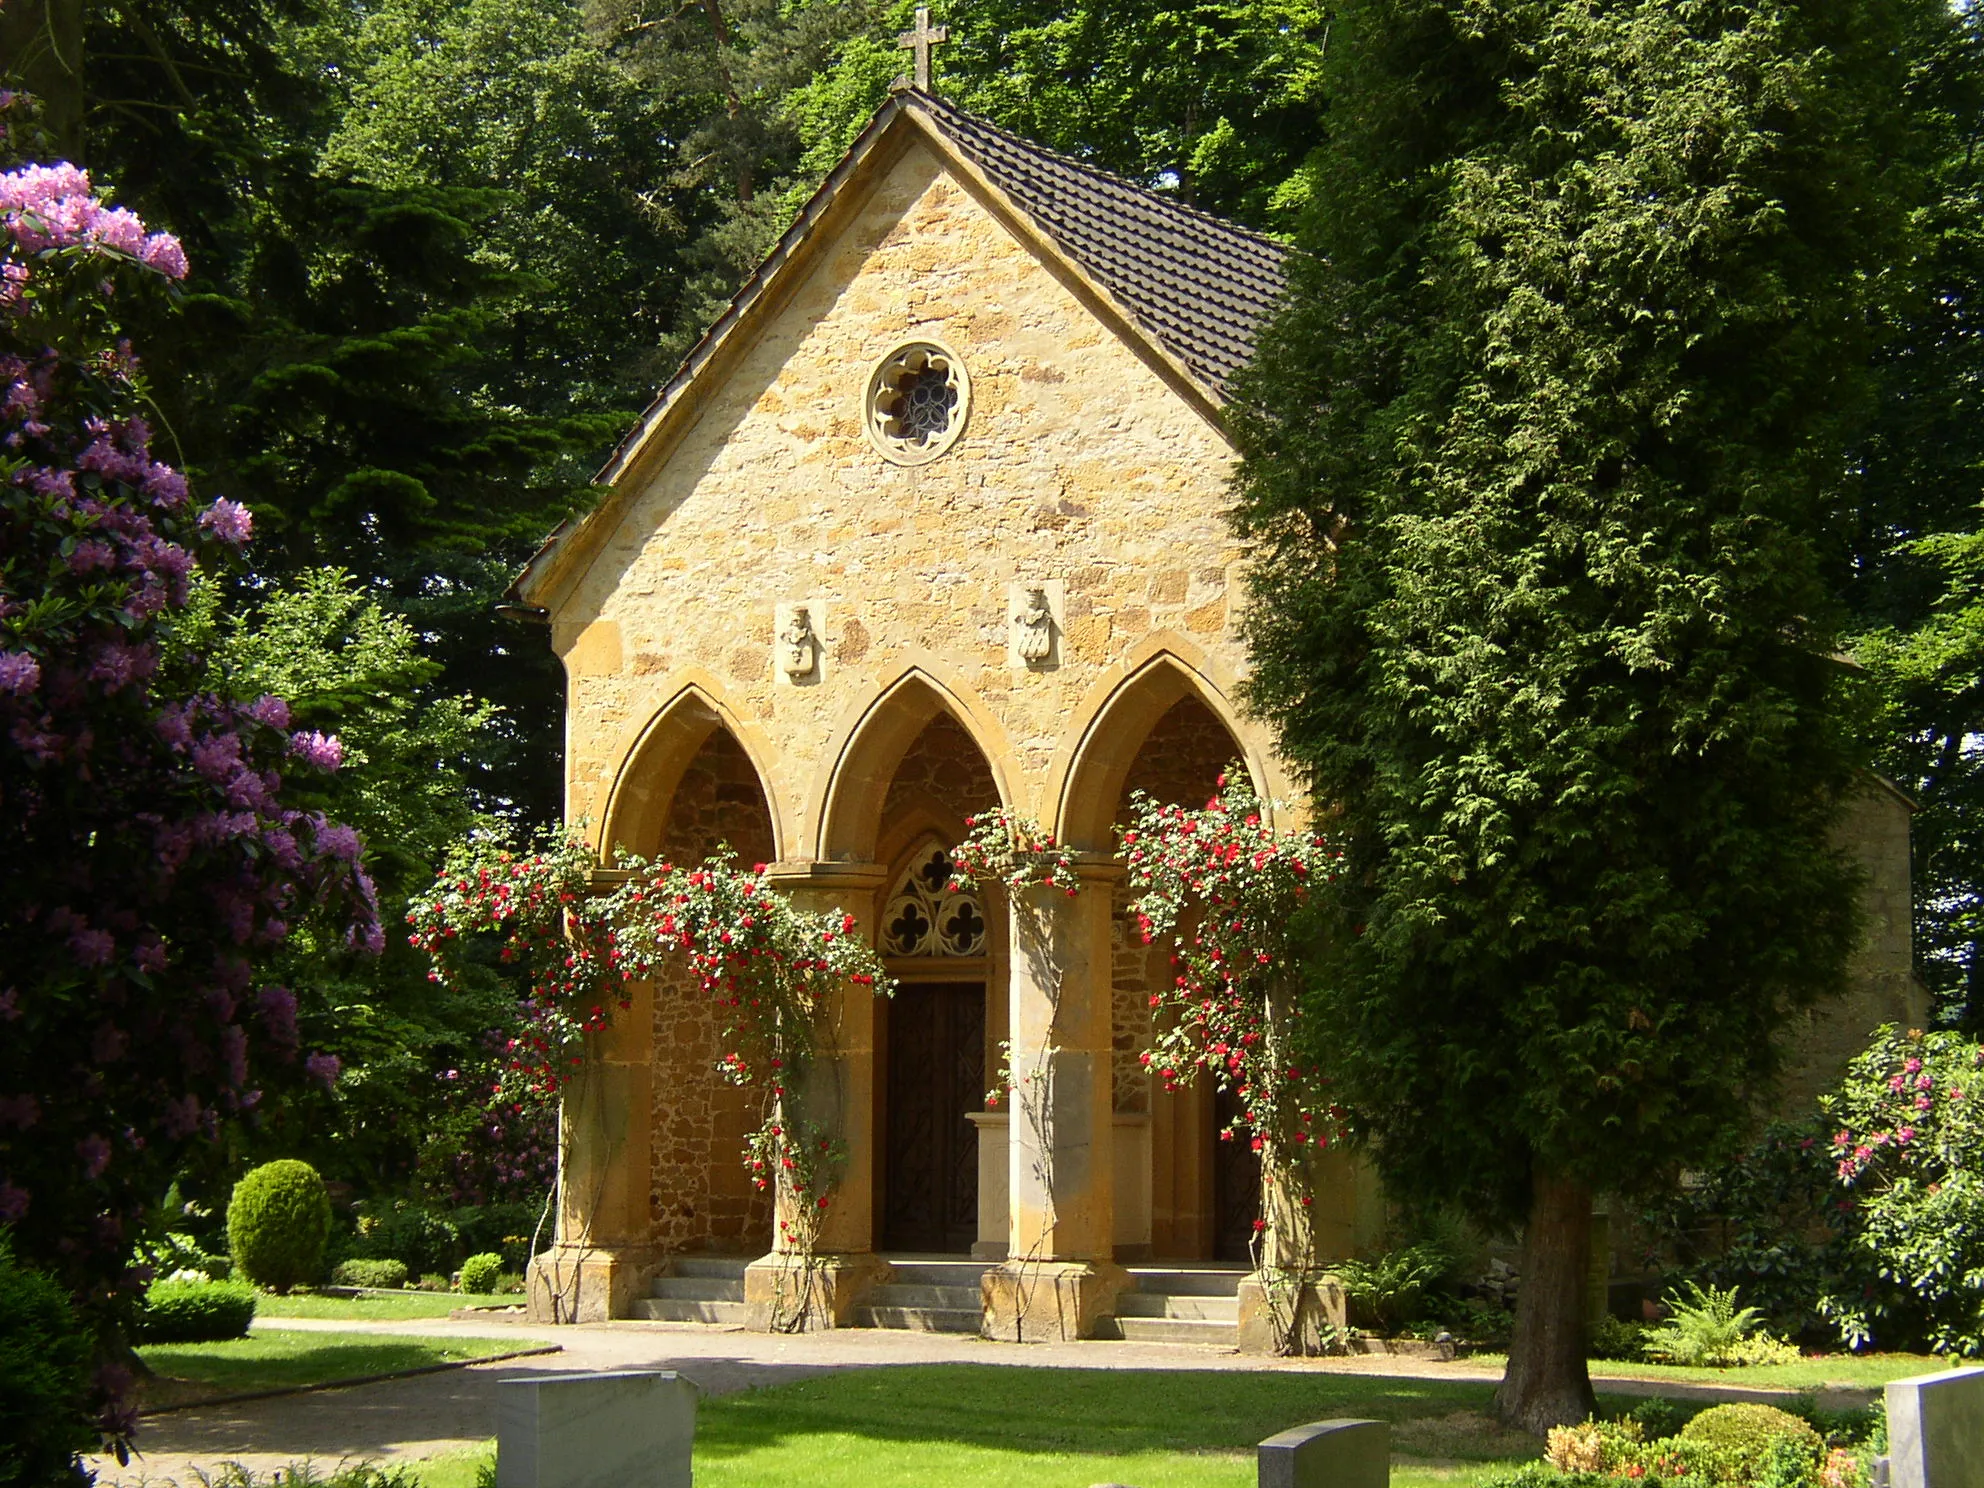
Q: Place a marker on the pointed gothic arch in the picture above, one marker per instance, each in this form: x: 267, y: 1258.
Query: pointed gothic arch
x: 1107, y: 746
x: 864, y: 766
x: 652, y: 766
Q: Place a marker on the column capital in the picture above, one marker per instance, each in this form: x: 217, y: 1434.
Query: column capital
x: 810, y: 873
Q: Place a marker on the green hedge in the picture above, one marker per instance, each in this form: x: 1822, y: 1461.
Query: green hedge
x: 196, y: 1311
x: 44, y: 1379
x: 387, y: 1274
x: 277, y: 1223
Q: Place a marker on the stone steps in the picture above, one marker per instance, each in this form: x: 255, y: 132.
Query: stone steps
x: 1179, y: 1304
x: 697, y: 1289
x: 1187, y: 1308
x: 926, y: 1294
x: 1168, y: 1330
x: 918, y: 1319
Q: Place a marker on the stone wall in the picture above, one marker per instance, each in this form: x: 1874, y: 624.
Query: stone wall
x: 943, y: 770
x: 1881, y: 985
x: 700, y: 1198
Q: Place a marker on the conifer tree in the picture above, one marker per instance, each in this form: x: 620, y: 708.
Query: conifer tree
x: 1546, y: 463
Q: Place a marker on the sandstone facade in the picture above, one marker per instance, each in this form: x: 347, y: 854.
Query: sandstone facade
x: 1091, y: 465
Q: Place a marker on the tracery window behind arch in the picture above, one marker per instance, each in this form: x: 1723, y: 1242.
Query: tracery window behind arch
x: 925, y: 918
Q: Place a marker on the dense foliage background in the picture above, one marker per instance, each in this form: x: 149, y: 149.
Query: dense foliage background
x: 441, y: 253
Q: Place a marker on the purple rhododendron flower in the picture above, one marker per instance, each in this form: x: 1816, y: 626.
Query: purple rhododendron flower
x: 324, y: 1067
x: 325, y: 751
x: 95, y: 1153
x: 229, y: 521
x: 20, y: 673
x: 336, y: 840
x: 161, y: 252
x: 182, y: 1116
x: 92, y: 947
x: 13, y: 1202
x: 277, y: 1006
x: 271, y: 710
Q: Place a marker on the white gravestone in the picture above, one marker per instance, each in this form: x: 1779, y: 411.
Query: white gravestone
x: 1328, y: 1454
x: 625, y: 1430
x: 1936, y: 1430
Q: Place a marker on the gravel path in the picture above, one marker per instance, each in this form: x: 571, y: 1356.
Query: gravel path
x: 424, y: 1416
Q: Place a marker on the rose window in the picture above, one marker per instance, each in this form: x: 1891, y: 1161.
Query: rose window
x: 917, y: 401
x: 925, y: 917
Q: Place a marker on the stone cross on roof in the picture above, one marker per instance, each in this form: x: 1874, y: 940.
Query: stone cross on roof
x: 919, y: 41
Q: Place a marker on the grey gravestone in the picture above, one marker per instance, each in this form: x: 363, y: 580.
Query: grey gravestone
x: 1936, y: 1430
x: 1328, y: 1454
x: 626, y: 1430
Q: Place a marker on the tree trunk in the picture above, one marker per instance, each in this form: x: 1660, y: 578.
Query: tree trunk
x: 1547, y: 1383
x: 41, y: 44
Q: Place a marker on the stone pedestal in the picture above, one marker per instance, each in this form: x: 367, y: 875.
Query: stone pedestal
x: 589, y: 1284
x: 782, y: 1295
x: 604, y: 1254
x: 837, y: 1089
x: 1320, y: 1319
x: 1060, y: 1146
x: 1049, y: 1301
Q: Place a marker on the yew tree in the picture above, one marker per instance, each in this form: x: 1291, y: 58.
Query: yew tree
x: 1546, y: 461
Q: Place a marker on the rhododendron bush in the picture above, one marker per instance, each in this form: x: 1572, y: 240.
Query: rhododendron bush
x: 1909, y: 1148
x: 148, y: 858
x: 580, y: 945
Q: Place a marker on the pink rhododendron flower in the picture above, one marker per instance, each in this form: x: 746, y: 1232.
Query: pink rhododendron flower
x: 229, y: 521
x: 325, y: 751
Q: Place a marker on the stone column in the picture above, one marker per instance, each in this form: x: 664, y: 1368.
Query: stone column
x: 604, y: 1253
x: 836, y: 1091
x: 1059, y: 1275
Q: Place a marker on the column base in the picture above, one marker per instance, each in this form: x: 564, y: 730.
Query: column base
x: 1049, y: 1301
x: 589, y: 1283
x: 780, y: 1297
x: 1288, y: 1314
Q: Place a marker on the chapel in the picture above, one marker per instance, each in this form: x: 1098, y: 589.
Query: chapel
x: 931, y: 522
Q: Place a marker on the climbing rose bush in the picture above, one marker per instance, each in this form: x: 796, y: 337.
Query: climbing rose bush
x: 147, y: 857
x: 1006, y: 848
x: 1228, y: 890
x: 767, y: 966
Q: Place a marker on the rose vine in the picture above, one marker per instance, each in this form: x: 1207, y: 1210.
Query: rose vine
x: 767, y: 965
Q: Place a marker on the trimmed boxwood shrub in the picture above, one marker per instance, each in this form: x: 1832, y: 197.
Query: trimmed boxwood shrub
x: 44, y: 1379
x: 387, y: 1274
x: 277, y: 1223
x: 196, y: 1311
x: 480, y: 1272
x: 1749, y: 1434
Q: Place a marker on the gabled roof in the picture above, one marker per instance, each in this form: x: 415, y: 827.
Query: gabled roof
x: 1200, y: 284
x: 1193, y: 288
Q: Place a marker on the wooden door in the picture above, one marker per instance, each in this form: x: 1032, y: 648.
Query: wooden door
x: 1236, y: 1185
x: 936, y: 1074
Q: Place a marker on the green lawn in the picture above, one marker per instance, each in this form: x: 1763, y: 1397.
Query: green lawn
x: 985, y: 1426
x: 388, y: 1305
x: 1822, y: 1372
x: 270, y: 1359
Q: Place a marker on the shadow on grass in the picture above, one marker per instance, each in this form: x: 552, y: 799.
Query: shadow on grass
x: 1090, y: 1411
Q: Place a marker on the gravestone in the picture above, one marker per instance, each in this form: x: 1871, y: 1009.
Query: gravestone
x: 1936, y: 1430
x: 622, y: 1430
x: 1328, y: 1454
